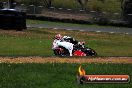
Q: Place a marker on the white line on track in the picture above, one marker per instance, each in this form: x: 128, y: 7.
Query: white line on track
x: 111, y: 32
x: 98, y: 31
x: 69, y: 29
x: 40, y: 27
x: 82, y: 30
x: 28, y: 26
x: 55, y: 28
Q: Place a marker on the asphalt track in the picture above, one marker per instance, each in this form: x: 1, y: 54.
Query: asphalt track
x: 83, y: 28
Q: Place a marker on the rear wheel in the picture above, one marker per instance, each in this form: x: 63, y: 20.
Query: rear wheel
x: 61, y: 52
x: 64, y: 52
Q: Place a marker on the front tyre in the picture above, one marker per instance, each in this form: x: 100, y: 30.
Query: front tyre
x: 93, y: 53
x: 90, y: 52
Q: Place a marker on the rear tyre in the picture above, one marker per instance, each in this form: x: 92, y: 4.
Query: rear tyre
x: 61, y: 52
x: 64, y: 52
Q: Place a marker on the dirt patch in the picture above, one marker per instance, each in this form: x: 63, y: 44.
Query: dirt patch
x: 65, y: 15
x: 12, y: 32
x: 126, y: 60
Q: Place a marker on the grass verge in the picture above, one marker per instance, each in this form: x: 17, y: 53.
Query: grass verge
x: 32, y: 22
x: 38, y: 42
x: 56, y: 75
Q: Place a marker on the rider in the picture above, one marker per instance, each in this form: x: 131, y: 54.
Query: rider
x: 73, y: 41
x: 59, y: 41
x: 58, y: 38
x: 70, y: 39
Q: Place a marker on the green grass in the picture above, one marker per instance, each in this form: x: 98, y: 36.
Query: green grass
x: 38, y: 42
x: 24, y: 46
x: 31, y: 22
x: 55, y: 75
x: 34, y: 43
x: 108, y: 5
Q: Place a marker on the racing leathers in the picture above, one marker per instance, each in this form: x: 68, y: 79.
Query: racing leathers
x: 67, y: 42
x: 67, y: 45
x: 73, y: 41
x: 70, y: 39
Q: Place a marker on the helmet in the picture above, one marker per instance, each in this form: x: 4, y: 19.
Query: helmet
x: 58, y: 36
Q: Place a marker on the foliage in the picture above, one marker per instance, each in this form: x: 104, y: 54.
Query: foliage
x: 98, y: 5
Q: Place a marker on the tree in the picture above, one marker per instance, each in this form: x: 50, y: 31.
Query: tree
x: 126, y: 6
x: 48, y: 3
x: 127, y: 9
x: 103, y: 1
x: 83, y: 3
x: 1, y: 5
x: 11, y: 4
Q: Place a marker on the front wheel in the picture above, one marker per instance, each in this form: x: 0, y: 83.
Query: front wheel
x: 90, y: 52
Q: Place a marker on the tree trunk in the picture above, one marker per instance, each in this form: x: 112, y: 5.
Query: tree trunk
x: 47, y: 3
x: 127, y: 10
x: 11, y: 4
x: 83, y: 3
x: 1, y: 5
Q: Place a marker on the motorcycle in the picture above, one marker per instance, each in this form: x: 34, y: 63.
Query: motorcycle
x: 78, y: 50
x: 84, y: 52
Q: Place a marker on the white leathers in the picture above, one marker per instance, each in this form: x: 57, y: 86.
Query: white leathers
x: 64, y: 44
x: 54, y: 44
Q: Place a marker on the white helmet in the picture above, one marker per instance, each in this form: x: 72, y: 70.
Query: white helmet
x: 58, y: 36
